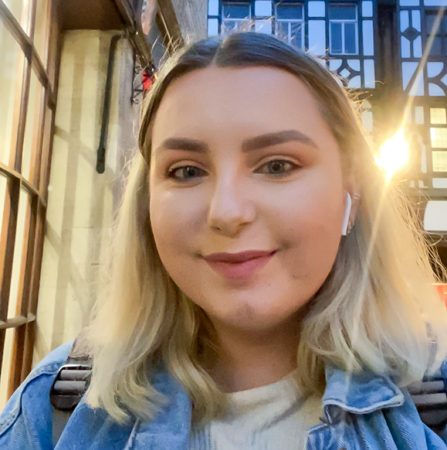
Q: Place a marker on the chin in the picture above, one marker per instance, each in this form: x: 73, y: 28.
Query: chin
x: 251, y: 318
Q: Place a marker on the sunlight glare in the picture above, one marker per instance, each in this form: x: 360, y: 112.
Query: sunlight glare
x: 393, y: 154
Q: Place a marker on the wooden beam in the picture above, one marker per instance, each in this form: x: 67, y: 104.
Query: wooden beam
x: 169, y: 18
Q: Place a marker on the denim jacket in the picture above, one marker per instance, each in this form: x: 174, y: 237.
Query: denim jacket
x: 363, y: 411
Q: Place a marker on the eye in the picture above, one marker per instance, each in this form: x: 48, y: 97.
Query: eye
x: 185, y: 173
x: 278, y: 167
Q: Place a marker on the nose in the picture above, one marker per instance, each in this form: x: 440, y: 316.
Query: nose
x: 230, y: 209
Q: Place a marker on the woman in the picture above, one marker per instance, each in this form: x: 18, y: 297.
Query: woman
x: 268, y: 290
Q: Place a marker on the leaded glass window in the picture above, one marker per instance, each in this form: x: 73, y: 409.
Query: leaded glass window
x: 438, y: 116
x: 438, y: 137
x: 439, y: 161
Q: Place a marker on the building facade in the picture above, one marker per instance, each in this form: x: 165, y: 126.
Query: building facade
x: 392, y: 55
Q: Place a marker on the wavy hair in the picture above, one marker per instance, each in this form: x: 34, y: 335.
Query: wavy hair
x: 377, y: 309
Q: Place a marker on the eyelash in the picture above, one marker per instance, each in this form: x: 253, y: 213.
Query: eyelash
x: 294, y: 166
x: 171, y: 173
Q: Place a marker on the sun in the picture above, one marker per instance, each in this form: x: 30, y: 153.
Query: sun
x: 393, y: 154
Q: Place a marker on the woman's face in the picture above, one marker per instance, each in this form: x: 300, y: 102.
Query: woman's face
x: 246, y: 194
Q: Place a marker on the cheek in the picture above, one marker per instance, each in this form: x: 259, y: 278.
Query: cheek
x: 310, y: 232
x: 175, y: 221
x: 312, y: 206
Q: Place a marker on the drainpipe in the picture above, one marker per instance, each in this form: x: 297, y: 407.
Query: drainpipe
x: 101, y: 152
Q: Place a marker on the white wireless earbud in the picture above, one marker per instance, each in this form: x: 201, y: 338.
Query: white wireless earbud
x: 344, y: 228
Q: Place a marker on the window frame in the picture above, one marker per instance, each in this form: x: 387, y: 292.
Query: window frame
x: 290, y: 22
x: 430, y: 11
x: 35, y: 186
x: 248, y: 20
x: 343, y: 22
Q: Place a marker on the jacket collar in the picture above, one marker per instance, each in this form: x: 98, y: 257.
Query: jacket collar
x: 358, y: 393
x: 170, y: 427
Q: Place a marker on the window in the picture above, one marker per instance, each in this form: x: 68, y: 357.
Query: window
x: 27, y: 102
x: 343, y: 30
x: 438, y: 116
x: 439, y: 46
x: 289, y: 23
x: 439, y: 161
x: 235, y: 17
x: 438, y: 138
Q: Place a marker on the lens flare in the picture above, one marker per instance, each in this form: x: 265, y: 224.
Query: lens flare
x: 393, y: 154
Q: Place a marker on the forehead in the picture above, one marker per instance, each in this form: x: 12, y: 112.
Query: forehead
x: 238, y: 102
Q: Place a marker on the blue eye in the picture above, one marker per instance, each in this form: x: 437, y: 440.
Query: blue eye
x: 277, y: 167
x: 185, y: 173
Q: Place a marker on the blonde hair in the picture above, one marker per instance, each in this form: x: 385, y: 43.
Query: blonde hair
x: 377, y: 309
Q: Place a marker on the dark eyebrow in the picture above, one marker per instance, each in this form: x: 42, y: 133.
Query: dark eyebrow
x: 279, y: 137
x: 255, y: 143
x: 190, y: 145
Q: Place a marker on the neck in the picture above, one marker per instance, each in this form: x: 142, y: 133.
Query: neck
x: 246, y: 360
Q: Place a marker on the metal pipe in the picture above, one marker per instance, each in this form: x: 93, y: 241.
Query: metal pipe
x: 101, y: 153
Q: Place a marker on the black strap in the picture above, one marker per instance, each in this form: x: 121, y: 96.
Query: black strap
x: 69, y: 386
x: 73, y: 379
x: 430, y: 398
x: 60, y: 419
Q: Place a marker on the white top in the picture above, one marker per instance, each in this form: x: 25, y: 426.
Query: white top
x: 270, y: 417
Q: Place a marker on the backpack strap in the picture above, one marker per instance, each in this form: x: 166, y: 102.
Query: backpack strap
x: 70, y: 385
x: 73, y: 379
x: 430, y: 398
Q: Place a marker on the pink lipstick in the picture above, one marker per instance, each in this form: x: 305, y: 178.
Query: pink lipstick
x: 239, y: 265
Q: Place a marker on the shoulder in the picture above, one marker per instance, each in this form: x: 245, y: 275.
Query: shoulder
x: 28, y: 413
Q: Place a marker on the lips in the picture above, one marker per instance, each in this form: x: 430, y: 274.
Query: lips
x: 239, y: 265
